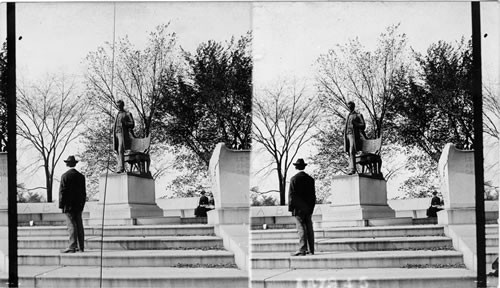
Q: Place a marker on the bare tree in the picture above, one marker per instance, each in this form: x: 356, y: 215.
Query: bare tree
x: 284, y: 120
x: 350, y: 72
x: 121, y: 70
x: 48, y: 116
x: 491, y: 113
x: 491, y: 120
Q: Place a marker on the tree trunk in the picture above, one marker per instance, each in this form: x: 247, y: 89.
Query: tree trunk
x: 283, y: 192
x: 282, y: 187
x: 48, y: 184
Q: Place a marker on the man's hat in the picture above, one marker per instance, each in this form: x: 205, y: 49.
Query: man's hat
x: 300, y: 162
x: 71, y: 159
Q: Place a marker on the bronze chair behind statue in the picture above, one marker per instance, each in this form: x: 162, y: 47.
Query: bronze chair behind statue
x: 138, y: 155
x: 369, y: 157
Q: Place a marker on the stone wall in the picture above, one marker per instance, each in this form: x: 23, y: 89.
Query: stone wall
x: 414, y: 208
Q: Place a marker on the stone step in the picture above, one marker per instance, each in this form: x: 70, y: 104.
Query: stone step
x: 150, y: 230
x: 162, y: 220
x: 356, y: 244
x: 46, y: 216
x: 355, y: 232
x: 42, y: 223
x: 128, y: 258
x: 130, y: 277
x: 492, y: 282
x: 377, y: 222
x: 493, y: 220
x: 58, y: 219
x: 272, y: 226
x: 491, y: 255
x: 366, y: 259
x: 361, y: 278
x: 491, y: 216
x: 125, y: 243
x: 342, y: 224
x: 194, y: 220
x: 491, y: 228
x: 491, y: 240
x: 424, y: 221
x: 285, y: 218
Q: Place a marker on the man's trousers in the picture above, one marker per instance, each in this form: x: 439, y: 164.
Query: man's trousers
x: 75, y: 230
x: 306, y: 232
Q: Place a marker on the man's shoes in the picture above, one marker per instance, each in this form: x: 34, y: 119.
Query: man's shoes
x: 79, y: 250
x: 68, y: 250
x: 351, y: 172
x: 310, y: 252
x: 298, y: 253
x: 120, y: 171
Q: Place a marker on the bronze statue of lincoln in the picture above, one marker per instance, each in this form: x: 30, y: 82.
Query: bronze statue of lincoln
x: 354, y: 128
x: 122, y: 133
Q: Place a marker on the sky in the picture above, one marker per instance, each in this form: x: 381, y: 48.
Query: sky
x: 287, y: 36
x: 57, y: 36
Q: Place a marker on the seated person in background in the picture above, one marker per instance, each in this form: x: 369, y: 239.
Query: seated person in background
x: 436, y: 205
x: 201, y: 210
x: 211, y: 202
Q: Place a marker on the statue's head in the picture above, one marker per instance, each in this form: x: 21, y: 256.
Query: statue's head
x: 120, y: 104
x: 351, y: 105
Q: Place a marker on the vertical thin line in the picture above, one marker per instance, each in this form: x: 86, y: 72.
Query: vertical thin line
x: 478, y: 143
x: 11, y: 143
x: 109, y: 156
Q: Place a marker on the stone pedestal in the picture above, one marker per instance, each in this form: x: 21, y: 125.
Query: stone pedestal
x: 456, y: 170
x: 128, y: 196
x: 229, y: 172
x: 356, y: 198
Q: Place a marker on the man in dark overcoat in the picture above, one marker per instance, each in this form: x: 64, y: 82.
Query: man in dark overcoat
x: 122, y: 134
x: 301, y: 202
x: 72, y: 197
x: 354, y: 129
